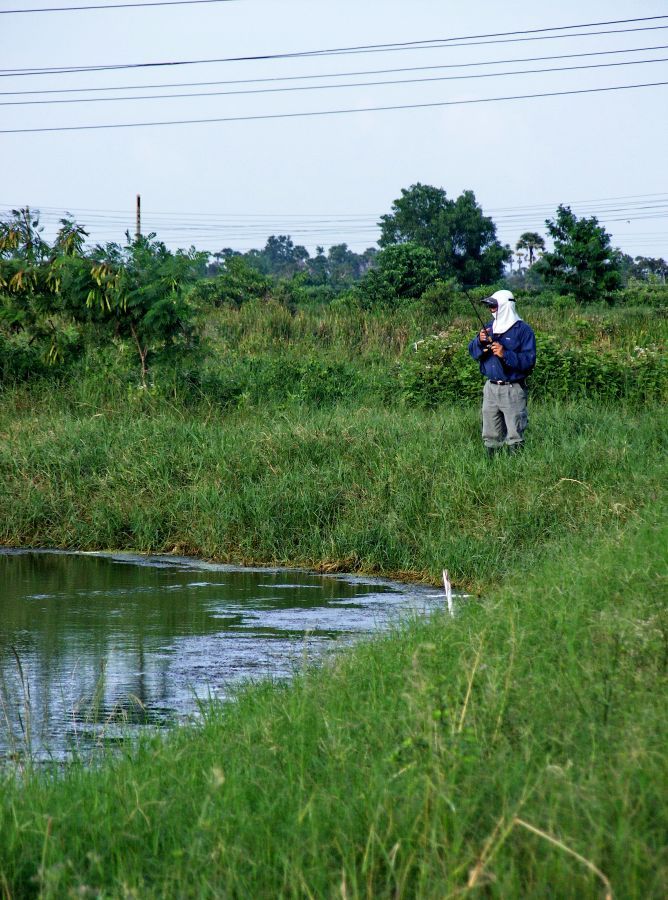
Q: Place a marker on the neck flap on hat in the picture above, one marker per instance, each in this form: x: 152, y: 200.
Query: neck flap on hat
x: 505, y: 316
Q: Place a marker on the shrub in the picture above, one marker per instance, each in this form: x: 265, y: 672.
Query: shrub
x: 238, y: 283
x: 403, y: 273
x: 643, y: 293
x: 439, y: 297
x: 439, y: 369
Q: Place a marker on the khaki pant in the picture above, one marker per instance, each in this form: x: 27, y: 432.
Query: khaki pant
x: 504, y: 414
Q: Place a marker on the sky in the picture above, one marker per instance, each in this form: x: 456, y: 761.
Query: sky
x: 326, y: 177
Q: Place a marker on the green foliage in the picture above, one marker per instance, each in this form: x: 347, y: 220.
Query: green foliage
x: 651, y: 294
x: 441, y: 296
x: 583, y: 262
x: 280, y: 257
x: 531, y: 241
x: 60, y: 297
x: 141, y: 295
x: 236, y: 284
x: 42, y: 286
x: 403, y: 272
x: 461, y: 238
x: 439, y: 370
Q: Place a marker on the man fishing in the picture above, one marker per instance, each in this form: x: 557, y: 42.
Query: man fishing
x: 506, y: 351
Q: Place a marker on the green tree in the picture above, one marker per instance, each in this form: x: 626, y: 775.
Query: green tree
x: 650, y: 268
x: 583, y: 262
x: 236, y: 282
x: 317, y: 267
x: 141, y: 294
x: 43, y: 285
x: 403, y: 272
x: 280, y: 257
x: 532, y: 242
x: 463, y: 240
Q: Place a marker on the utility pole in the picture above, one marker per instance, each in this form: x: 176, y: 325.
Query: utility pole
x: 138, y: 231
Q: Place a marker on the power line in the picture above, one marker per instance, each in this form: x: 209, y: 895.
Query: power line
x: 322, y: 87
x: 48, y: 9
x: 274, y: 78
x: 633, y: 200
x: 427, y: 44
x: 332, y: 112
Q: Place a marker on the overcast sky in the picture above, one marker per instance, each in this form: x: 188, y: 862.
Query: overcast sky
x: 326, y: 179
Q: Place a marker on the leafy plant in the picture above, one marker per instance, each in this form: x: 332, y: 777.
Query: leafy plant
x: 583, y: 261
x: 140, y: 294
x: 462, y: 239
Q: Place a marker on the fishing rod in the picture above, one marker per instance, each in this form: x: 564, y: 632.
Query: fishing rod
x: 479, y: 317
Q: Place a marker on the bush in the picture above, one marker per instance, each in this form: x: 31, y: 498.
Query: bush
x: 403, y: 273
x: 440, y: 296
x: 439, y: 369
x: 643, y: 293
x: 238, y: 283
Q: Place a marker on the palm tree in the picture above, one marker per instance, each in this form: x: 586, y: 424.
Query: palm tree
x: 530, y: 241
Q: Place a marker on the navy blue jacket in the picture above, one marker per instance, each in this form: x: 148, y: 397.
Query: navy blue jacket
x: 519, y: 344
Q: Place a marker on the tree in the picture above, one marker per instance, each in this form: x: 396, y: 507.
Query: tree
x: 141, y: 294
x: 650, y: 268
x: 235, y: 283
x: 403, y: 272
x: 530, y: 241
x: 280, y: 256
x: 583, y: 262
x: 42, y: 285
x: 317, y: 267
x: 462, y: 240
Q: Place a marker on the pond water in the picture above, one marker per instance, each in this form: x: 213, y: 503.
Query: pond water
x: 96, y: 647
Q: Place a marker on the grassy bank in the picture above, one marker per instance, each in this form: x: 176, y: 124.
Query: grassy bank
x: 396, y: 491
x: 515, y: 751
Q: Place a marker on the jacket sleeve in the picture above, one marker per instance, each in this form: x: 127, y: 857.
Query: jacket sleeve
x: 476, y: 349
x: 523, y: 358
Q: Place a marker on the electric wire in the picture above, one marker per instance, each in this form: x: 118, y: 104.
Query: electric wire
x: 49, y: 9
x: 433, y: 44
x: 331, y: 112
x: 626, y: 202
x: 274, y: 78
x: 632, y: 201
x: 323, y: 87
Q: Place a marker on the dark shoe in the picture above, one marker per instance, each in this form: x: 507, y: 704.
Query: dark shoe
x: 514, y: 449
x: 492, y: 451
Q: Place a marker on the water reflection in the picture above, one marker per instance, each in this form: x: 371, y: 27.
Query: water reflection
x: 93, y: 646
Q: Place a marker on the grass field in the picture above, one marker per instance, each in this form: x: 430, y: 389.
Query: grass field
x: 515, y: 751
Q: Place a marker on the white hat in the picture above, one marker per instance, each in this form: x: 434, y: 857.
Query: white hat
x: 499, y: 296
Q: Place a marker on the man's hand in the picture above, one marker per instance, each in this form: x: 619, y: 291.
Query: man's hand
x: 497, y: 349
x: 484, y: 336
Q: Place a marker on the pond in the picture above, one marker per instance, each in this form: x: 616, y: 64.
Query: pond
x: 97, y: 647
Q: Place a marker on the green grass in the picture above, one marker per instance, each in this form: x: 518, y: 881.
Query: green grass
x: 517, y: 751
x: 398, y: 491
x: 414, y: 766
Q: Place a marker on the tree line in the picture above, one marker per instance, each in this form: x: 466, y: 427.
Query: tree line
x: 152, y: 299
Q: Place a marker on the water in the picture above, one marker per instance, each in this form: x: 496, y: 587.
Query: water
x: 96, y: 647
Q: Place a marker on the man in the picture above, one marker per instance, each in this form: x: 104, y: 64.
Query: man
x: 506, y: 350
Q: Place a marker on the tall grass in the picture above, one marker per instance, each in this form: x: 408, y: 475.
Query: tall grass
x: 394, y: 491
x: 516, y: 751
